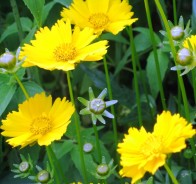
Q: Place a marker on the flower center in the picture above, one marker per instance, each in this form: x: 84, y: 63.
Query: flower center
x: 41, y: 125
x: 152, y: 146
x: 98, y: 20
x: 97, y: 106
x: 65, y: 52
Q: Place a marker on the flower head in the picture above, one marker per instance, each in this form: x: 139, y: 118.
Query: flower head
x: 61, y: 48
x: 186, y: 56
x: 37, y: 120
x: 143, y: 152
x: 103, y: 15
x: 96, y: 106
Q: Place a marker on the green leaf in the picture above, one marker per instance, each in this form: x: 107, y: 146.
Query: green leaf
x: 32, y: 89
x: 61, y: 148
x: 143, y: 40
x: 11, y: 29
x: 46, y: 10
x: 150, y: 180
x: 7, y: 92
x: 64, y: 2
x: 36, y: 9
x: 163, y: 60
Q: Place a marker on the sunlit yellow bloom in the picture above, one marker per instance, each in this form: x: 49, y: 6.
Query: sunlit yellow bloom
x: 102, y: 15
x: 37, y: 120
x: 143, y: 152
x: 61, y: 48
x: 186, y: 55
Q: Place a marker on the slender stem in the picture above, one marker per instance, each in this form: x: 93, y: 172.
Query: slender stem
x: 58, y: 173
x: 181, y: 83
x: 77, y: 126
x: 174, y: 12
x: 21, y: 86
x: 174, y: 180
x: 155, y: 54
x: 110, y: 98
x: 133, y: 51
x: 17, y: 19
x: 97, y: 143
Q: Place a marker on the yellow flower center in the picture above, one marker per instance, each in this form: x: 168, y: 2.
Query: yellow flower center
x: 65, y: 52
x: 41, y: 125
x: 152, y: 146
x: 98, y: 20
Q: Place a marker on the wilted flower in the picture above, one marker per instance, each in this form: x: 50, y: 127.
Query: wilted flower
x: 96, y: 106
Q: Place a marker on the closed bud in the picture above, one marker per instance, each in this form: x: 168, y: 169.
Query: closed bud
x: 184, y: 57
x: 7, y: 60
x: 97, y: 106
x: 87, y: 147
x: 43, y: 176
x: 103, y: 169
x: 24, y: 166
x: 177, y: 33
x: 188, y: 153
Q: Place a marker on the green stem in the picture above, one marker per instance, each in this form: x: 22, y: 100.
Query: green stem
x: 174, y: 181
x: 174, y: 12
x: 173, y: 50
x: 21, y: 86
x: 181, y: 83
x: 155, y: 54
x: 17, y: 19
x: 97, y: 143
x: 110, y: 98
x: 77, y: 126
x: 193, y: 83
x: 58, y: 173
x: 133, y: 51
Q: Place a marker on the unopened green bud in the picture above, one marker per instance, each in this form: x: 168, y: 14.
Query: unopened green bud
x: 24, y: 166
x: 103, y: 169
x: 188, y: 153
x: 97, y: 106
x: 7, y: 60
x: 43, y: 176
x: 177, y: 33
x: 88, y: 147
x: 184, y: 57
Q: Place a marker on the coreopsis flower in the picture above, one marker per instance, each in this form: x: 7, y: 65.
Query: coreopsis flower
x: 62, y: 48
x: 103, y: 15
x: 142, y: 151
x: 37, y: 120
x: 186, y: 56
x: 97, y: 106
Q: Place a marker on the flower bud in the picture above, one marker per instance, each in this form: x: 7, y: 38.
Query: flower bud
x: 177, y: 33
x: 184, y: 57
x: 43, y: 176
x: 188, y: 153
x: 88, y: 147
x: 97, y: 106
x: 103, y: 169
x: 24, y: 166
x: 7, y: 60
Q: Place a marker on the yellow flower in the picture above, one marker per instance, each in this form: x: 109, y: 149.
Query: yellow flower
x: 37, y: 120
x: 103, y: 15
x: 143, y: 152
x: 61, y: 48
